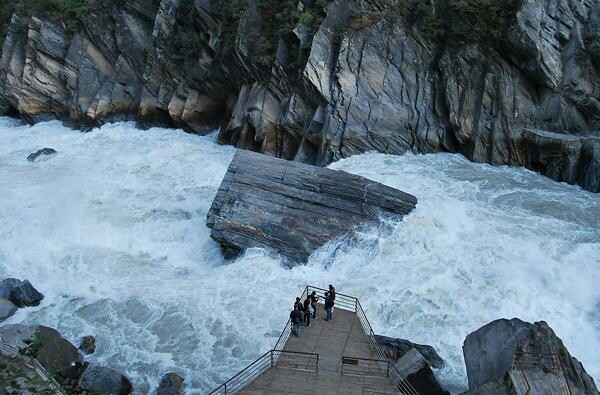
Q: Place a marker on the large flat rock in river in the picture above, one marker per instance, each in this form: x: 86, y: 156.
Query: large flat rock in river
x: 294, y: 208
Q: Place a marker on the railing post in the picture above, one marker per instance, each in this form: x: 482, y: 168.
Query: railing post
x: 225, y: 388
x: 271, y: 358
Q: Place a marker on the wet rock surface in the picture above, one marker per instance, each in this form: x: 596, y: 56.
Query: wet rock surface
x: 394, y: 349
x: 104, y: 380
x: 20, y: 293
x: 88, y: 345
x: 23, y: 294
x: 294, y: 208
x: 171, y: 384
x: 351, y: 80
x: 44, y: 151
x: 501, y: 354
x: 45, y: 344
x: 416, y: 370
x: 7, y: 309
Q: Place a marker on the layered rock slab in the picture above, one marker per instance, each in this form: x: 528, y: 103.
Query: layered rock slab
x: 294, y: 208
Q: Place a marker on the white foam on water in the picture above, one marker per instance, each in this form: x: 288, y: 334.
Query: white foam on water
x: 112, y: 230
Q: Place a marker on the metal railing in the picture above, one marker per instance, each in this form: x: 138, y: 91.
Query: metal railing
x: 351, y: 303
x: 32, y: 363
x: 271, y: 358
x: 279, y: 358
x: 523, y: 361
x: 355, y: 366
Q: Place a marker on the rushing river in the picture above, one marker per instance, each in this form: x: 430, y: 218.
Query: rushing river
x: 112, y: 231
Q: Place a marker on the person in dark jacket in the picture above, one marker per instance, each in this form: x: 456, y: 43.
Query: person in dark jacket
x: 332, y: 296
x: 307, y: 311
x: 328, y: 306
x: 296, y: 318
x: 298, y: 303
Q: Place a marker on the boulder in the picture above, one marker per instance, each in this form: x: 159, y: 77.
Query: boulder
x: 7, y: 309
x: 88, y: 345
x: 24, y: 294
x: 6, y: 287
x: 294, y: 208
x: 507, y: 354
x: 54, y: 353
x: 171, y: 384
x: 415, y: 369
x: 101, y: 379
x: 44, y: 151
x: 394, y: 349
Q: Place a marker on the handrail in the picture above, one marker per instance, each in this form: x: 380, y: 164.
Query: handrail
x: 34, y: 364
x: 258, y: 367
x: 526, y: 360
x: 354, y: 361
x: 352, y: 303
x: 342, y: 301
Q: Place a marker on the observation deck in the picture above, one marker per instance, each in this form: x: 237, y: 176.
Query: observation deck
x: 340, y: 356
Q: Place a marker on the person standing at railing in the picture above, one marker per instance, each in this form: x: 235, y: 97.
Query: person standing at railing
x: 332, y: 296
x: 328, y: 306
x: 296, y: 318
x: 314, y: 300
x: 308, y: 310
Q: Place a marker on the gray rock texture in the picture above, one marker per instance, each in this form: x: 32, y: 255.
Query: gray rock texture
x: 44, y: 151
x: 294, y: 208
x: 171, y: 384
x: 23, y: 294
x: 501, y: 353
x: 358, y: 75
x: 88, y: 345
x: 415, y: 369
x: 55, y: 353
x: 394, y: 349
x: 6, y: 287
x: 7, y: 309
x: 100, y: 379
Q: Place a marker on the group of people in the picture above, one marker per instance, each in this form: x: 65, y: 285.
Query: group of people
x: 306, y: 310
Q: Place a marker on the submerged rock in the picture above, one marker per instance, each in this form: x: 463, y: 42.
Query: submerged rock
x: 44, y: 151
x: 394, y: 349
x: 506, y: 354
x: 100, y: 379
x: 294, y: 208
x: 88, y: 345
x: 171, y: 384
x: 7, y: 309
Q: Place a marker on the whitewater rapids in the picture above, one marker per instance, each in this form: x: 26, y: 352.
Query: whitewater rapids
x: 112, y: 231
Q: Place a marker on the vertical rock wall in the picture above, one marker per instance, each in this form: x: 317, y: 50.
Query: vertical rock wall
x: 349, y: 80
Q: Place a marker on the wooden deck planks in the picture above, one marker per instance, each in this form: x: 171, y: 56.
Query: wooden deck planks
x: 343, y: 336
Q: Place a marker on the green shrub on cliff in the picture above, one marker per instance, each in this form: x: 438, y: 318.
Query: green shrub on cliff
x: 72, y: 8
x: 461, y: 22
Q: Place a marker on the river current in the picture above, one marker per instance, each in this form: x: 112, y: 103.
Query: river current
x: 112, y: 231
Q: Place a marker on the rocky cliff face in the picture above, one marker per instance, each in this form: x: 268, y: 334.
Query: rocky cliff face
x: 318, y: 80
